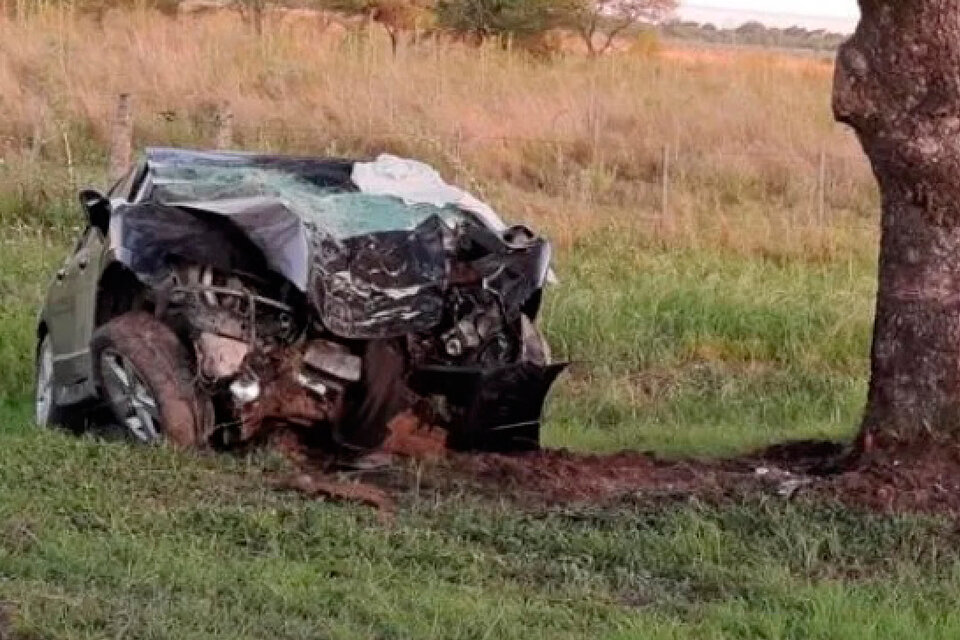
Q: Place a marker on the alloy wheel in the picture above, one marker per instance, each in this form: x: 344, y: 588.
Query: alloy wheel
x: 43, y: 394
x: 132, y: 401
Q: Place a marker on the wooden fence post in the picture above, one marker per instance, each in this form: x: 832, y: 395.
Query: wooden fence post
x: 69, y: 154
x: 225, y: 126
x: 665, y: 186
x: 822, y: 189
x: 458, y: 149
x: 121, y: 138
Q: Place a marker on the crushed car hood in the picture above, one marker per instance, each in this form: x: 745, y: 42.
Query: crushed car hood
x: 372, y: 246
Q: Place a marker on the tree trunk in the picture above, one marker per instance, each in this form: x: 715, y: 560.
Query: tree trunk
x: 898, y: 85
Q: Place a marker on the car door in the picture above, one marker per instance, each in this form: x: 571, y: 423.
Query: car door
x: 71, y: 309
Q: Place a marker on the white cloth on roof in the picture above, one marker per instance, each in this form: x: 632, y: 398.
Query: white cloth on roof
x: 418, y: 183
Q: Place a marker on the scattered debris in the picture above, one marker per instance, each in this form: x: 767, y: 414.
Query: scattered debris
x: 786, y: 484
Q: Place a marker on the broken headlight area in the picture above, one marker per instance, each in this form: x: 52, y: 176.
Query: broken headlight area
x: 474, y: 332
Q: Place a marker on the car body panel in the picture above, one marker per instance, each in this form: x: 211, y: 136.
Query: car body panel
x: 69, y: 317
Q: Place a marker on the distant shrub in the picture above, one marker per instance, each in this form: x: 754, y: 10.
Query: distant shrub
x: 645, y: 44
x: 482, y: 19
x: 756, y: 34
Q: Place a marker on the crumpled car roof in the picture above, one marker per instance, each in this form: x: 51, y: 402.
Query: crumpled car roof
x: 212, y: 175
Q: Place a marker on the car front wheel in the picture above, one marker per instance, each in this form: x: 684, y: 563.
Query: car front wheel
x: 145, y: 374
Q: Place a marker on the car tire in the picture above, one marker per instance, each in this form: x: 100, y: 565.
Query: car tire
x: 146, y: 376
x: 374, y: 401
x: 47, y: 413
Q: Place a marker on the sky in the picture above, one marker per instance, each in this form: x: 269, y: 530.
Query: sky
x: 837, y: 15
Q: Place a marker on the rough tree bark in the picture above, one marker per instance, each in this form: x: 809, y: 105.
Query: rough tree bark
x: 898, y: 85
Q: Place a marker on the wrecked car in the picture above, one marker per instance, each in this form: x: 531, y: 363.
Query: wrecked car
x: 215, y: 298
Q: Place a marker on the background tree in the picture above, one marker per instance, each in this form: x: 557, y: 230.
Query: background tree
x: 395, y: 16
x: 898, y: 85
x: 481, y: 19
x: 399, y: 16
x: 600, y: 22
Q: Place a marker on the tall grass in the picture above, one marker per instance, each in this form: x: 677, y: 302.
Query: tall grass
x: 736, y: 316
x: 569, y: 143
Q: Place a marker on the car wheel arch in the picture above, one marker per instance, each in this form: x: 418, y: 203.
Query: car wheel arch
x: 119, y: 291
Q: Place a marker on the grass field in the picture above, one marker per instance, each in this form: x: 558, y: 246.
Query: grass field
x: 106, y: 540
x: 741, y: 320
x: 679, y: 350
x: 102, y: 541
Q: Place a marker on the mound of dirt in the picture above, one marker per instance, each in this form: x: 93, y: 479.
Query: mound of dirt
x: 321, y: 486
x: 320, y: 471
x: 408, y: 438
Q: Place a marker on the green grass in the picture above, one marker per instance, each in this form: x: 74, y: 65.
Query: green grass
x: 678, y: 351
x: 103, y: 540
x: 687, y: 351
x: 28, y: 259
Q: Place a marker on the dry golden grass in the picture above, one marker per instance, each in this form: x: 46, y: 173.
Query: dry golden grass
x: 571, y: 143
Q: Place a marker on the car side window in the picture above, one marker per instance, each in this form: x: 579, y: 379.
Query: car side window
x: 126, y: 188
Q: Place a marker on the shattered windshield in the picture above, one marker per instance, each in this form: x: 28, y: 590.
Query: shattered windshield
x: 340, y: 212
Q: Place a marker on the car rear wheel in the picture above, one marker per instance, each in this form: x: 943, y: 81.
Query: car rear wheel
x: 145, y: 374
x: 47, y: 412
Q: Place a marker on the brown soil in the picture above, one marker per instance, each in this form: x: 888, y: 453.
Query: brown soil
x: 924, y: 478
x: 921, y: 479
x: 409, y: 439
x: 556, y: 477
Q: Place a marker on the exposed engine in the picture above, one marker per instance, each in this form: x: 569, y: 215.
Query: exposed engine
x: 474, y: 332
x: 270, y: 358
x: 236, y: 305
x: 257, y: 352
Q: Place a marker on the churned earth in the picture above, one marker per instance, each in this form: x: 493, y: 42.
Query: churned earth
x: 921, y: 478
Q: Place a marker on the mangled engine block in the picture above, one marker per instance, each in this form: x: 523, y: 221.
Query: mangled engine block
x: 475, y: 333
x: 254, y: 357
